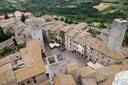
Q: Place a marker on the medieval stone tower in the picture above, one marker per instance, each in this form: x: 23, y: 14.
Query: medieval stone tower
x: 116, y: 37
x: 37, y: 33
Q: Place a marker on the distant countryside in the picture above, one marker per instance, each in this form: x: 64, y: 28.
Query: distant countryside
x: 97, y: 13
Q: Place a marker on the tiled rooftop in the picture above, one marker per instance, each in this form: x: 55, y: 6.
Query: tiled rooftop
x: 33, y: 62
x: 98, y: 45
x: 5, y: 23
x: 102, y: 48
x: 66, y: 29
x: 31, y: 57
x: 6, y: 74
x: 71, y: 67
x: 85, y: 71
x: 64, y: 80
x: 84, y: 39
x: 73, y: 33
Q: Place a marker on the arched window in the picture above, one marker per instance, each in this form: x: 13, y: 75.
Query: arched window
x: 28, y: 82
x: 108, y: 60
x: 22, y: 83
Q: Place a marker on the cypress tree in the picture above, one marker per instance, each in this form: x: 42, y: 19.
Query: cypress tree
x: 23, y: 18
x: 66, y: 20
x: 2, y: 35
x: 6, y: 16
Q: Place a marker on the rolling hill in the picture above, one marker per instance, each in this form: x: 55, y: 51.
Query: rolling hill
x: 90, y: 11
x: 76, y: 10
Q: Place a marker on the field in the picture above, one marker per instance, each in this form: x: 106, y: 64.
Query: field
x: 102, y: 6
x: 76, y: 10
x: 111, y: 1
x: 99, y: 11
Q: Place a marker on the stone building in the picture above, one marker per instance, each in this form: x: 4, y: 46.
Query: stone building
x: 92, y: 49
x: 53, y: 32
x: 64, y: 80
x: 86, y: 76
x: 69, y: 36
x: 33, y: 70
x: 104, y: 35
x: 71, y: 68
x: 18, y: 14
x: 61, y: 33
x: 25, y: 68
x: 118, y: 30
x: 2, y: 17
x: 81, y: 26
x: 15, y: 26
x: 6, y: 75
x: 100, y: 76
x: 46, y: 27
x: 95, y: 50
x: 99, y: 52
x: 10, y: 42
x: 6, y: 24
x: 80, y: 42
x: 37, y: 34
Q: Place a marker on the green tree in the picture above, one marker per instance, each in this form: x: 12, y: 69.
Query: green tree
x: 125, y: 2
x: 126, y: 39
x: 23, y: 18
x: 1, y: 31
x: 66, y: 20
x: 56, y: 18
x: 2, y: 35
x: 6, y: 16
x: 62, y: 34
x: 62, y: 19
x: 102, y: 25
x: 6, y: 51
x: 70, y: 21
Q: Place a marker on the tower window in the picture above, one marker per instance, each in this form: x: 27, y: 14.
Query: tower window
x: 34, y: 81
x: 47, y: 74
x: 34, y: 78
x: 22, y: 83
x: 28, y: 81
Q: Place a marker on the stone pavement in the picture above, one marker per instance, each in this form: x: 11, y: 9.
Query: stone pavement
x: 68, y: 57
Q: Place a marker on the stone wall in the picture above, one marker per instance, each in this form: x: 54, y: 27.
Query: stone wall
x: 34, y: 80
x: 10, y: 43
x: 95, y: 56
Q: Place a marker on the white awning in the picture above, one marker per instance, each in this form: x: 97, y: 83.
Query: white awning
x: 90, y: 64
x: 52, y: 45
